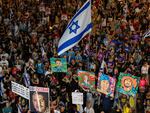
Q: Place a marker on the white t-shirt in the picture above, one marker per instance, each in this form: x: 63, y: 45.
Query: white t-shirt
x: 144, y: 70
x: 6, y: 55
x: 91, y: 110
x: 56, y: 111
x: 4, y: 62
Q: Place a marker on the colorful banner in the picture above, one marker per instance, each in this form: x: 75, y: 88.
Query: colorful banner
x: 77, y: 98
x: 86, y: 80
x: 127, y: 84
x: 39, y: 99
x: 106, y: 84
x: 20, y: 90
x: 58, y: 64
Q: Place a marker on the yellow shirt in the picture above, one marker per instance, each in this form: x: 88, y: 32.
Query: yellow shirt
x: 126, y: 109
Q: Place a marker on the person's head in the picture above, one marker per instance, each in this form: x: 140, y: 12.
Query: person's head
x: 39, y: 102
x: 3, y: 58
x: 58, y: 62
x: 34, y: 76
x: 88, y: 104
x: 62, y: 107
x: 7, y: 104
x: 23, y: 102
x: 145, y: 63
x: 53, y: 105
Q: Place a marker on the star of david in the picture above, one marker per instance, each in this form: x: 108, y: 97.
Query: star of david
x: 74, y: 27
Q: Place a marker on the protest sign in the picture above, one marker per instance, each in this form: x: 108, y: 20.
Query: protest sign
x: 39, y: 99
x: 127, y: 84
x: 20, y: 90
x: 106, y: 84
x: 58, y: 64
x: 86, y: 80
x: 77, y: 98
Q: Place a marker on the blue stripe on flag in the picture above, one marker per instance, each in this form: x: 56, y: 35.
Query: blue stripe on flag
x: 147, y: 33
x: 79, y: 12
x: 74, y: 39
x: 26, y: 81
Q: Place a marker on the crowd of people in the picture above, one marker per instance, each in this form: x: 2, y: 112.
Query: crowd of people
x: 29, y: 34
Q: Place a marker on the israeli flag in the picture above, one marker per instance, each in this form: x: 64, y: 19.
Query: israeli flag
x: 78, y: 27
x: 26, y: 78
x: 147, y: 34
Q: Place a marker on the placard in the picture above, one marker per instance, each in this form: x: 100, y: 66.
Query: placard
x: 77, y: 98
x: 20, y: 90
x: 127, y: 84
x: 86, y: 80
x: 39, y: 99
x: 58, y: 64
x: 106, y: 84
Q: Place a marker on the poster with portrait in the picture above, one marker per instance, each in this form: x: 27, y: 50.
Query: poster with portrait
x: 127, y: 84
x: 86, y: 80
x: 58, y: 64
x: 106, y: 84
x: 39, y: 99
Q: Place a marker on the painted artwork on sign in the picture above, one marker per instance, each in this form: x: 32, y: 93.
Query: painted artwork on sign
x: 106, y: 84
x: 86, y: 80
x: 58, y: 64
x: 127, y: 84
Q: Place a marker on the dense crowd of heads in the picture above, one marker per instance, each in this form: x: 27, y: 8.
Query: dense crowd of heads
x: 29, y: 35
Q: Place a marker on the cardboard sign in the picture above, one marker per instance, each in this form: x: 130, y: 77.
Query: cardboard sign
x: 77, y: 98
x: 20, y: 90
x: 127, y: 84
x: 106, y: 84
x: 86, y: 80
x: 39, y: 99
x: 58, y: 64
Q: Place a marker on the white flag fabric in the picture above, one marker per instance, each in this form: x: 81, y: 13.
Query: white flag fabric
x: 26, y: 78
x: 147, y: 34
x: 43, y: 52
x: 19, y: 108
x: 78, y: 27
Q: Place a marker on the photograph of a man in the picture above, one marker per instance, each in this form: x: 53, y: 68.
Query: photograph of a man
x: 58, y: 67
x: 58, y: 64
x: 39, y: 102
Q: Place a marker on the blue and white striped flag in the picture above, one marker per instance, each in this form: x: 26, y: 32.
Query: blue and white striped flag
x: 79, y: 26
x: 26, y: 78
x: 147, y: 34
x: 19, y: 108
x: 1, y: 88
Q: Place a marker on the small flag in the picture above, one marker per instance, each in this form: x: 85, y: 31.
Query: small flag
x: 43, y: 52
x: 147, y: 34
x: 26, y: 78
x: 19, y: 109
x: 102, y: 66
x: 79, y: 26
x: 1, y: 88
